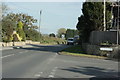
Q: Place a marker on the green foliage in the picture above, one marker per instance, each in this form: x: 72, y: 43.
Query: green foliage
x: 28, y: 21
x: 61, y: 31
x: 8, y: 27
x: 74, y: 49
x: 92, y: 19
x: 115, y: 10
x: 52, y: 40
x: 25, y: 23
x: 52, y: 35
x: 22, y: 23
x: 33, y: 35
x: 20, y: 31
x: 70, y: 33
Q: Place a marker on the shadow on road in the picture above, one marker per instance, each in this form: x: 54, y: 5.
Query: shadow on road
x: 98, y: 73
x: 49, y: 48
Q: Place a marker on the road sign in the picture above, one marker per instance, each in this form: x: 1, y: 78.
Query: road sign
x: 106, y: 49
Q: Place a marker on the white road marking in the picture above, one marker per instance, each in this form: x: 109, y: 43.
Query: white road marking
x: 20, y: 52
x: 37, y: 75
x: 26, y: 51
x: 23, y: 52
x: 56, y: 53
x: 116, y: 62
x: 51, y: 59
x: 51, y: 76
x: 53, y: 72
x: 106, y: 60
x: 40, y: 72
x: 8, y: 55
x: 109, y: 68
x: 56, y: 67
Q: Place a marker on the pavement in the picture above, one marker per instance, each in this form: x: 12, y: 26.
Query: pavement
x: 5, y: 48
x: 42, y: 61
x: 12, y: 47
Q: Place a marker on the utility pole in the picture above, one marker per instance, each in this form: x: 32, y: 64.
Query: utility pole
x: 112, y: 15
x: 118, y: 25
x: 40, y: 22
x: 104, y: 11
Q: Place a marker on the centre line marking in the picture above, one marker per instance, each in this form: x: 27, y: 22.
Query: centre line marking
x: 20, y: 52
x: 50, y: 76
x: 26, y: 51
x: 40, y: 72
x: 37, y: 75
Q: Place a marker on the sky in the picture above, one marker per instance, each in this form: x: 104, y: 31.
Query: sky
x: 55, y: 15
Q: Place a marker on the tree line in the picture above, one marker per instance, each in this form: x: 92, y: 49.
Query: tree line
x: 22, y: 24
x: 67, y: 33
x: 92, y: 19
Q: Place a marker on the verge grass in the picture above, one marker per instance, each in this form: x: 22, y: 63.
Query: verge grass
x: 77, y: 51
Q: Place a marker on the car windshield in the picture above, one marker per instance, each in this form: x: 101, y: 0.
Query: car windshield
x: 70, y: 39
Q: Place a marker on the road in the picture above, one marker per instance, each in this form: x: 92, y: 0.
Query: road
x: 41, y: 61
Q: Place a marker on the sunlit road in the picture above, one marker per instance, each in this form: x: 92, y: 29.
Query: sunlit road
x: 44, y: 62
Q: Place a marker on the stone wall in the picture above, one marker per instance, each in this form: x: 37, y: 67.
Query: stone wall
x: 3, y: 44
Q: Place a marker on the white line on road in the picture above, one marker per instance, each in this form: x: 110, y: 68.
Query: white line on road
x: 51, y: 76
x: 23, y: 52
x: 52, y: 73
x: 8, y: 55
x: 51, y: 59
x: 26, y: 51
x: 116, y: 62
x: 20, y: 52
x: 39, y: 74
x: 56, y: 53
x: 109, y: 68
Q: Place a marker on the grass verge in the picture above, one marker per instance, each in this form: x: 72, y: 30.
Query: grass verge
x: 77, y: 51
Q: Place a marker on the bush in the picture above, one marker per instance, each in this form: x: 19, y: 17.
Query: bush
x: 52, y: 40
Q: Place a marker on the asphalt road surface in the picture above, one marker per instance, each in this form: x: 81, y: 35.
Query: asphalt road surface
x: 41, y: 61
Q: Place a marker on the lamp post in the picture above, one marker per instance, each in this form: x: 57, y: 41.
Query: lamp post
x: 104, y: 11
x: 118, y: 25
x: 40, y: 22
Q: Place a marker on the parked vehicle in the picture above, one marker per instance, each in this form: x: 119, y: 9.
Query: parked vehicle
x: 73, y: 41
x: 70, y: 41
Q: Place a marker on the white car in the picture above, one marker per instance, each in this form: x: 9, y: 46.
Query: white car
x: 70, y: 41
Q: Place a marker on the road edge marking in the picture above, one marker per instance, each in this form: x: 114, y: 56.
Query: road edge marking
x: 7, y: 55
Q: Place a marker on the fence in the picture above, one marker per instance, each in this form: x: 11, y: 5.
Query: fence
x: 98, y: 37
